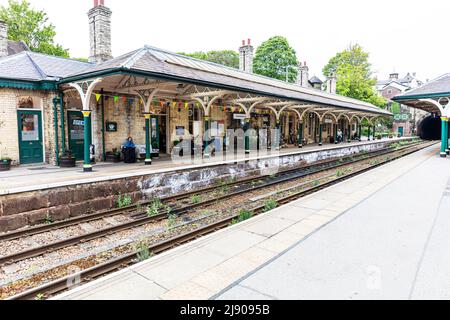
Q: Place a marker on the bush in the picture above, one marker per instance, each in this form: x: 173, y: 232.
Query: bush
x: 270, y: 204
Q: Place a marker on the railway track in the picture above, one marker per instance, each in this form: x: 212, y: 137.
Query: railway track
x: 141, y: 218
x: 119, y: 262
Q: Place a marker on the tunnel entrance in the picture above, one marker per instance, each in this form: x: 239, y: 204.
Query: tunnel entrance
x: 430, y: 128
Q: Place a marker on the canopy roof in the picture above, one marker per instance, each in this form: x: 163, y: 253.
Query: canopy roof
x: 160, y: 64
x: 421, y: 97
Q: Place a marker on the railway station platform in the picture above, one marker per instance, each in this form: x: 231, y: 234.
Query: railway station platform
x: 379, y: 235
x: 39, y: 177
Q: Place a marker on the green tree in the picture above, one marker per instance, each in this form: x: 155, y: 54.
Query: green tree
x: 32, y: 27
x: 227, y: 58
x: 354, y: 75
x: 274, y: 57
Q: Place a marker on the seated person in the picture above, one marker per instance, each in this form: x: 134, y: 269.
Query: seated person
x: 129, y: 151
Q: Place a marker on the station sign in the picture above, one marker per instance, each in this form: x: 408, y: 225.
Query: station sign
x: 402, y: 117
x: 239, y: 116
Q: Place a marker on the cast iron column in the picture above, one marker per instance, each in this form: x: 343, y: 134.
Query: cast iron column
x: 87, y: 167
x: 300, y: 134
x: 148, y: 154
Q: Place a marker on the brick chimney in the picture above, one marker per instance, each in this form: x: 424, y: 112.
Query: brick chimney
x: 100, y: 32
x: 246, y: 57
x: 303, y: 75
x: 3, y: 39
x: 331, y: 83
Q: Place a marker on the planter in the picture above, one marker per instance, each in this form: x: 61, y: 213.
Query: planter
x: 67, y: 162
x: 112, y: 157
x: 5, y: 165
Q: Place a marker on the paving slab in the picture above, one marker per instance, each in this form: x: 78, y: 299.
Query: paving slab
x: 325, y: 250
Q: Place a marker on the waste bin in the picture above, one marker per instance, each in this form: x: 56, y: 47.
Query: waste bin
x: 129, y: 155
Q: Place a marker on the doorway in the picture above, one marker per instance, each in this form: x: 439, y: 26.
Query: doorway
x: 31, y: 148
x: 76, y: 133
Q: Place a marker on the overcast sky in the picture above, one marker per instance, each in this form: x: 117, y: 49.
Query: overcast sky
x: 401, y: 35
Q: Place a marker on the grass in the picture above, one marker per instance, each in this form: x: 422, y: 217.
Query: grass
x: 39, y: 296
x: 123, y: 201
x: 315, y: 183
x: 270, y: 204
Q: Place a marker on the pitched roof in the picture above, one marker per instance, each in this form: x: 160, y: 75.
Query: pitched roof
x: 440, y: 85
x: 32, y: 66
x: 314, y: 80
x: 157, y: 62
x: 15, y: 47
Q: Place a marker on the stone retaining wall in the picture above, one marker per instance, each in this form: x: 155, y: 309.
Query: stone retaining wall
x: 30, y: 208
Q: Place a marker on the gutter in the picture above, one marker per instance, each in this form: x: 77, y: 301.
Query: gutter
x: 421, y: 96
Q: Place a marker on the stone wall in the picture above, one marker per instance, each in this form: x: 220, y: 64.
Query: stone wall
x: 29, y: 208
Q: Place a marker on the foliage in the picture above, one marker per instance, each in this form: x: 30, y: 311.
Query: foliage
x: 123, y: 201
x: 154, y: 207
x: 196, y: 199
x: 171, y: 220
x: 354, y: 76
x: 273, y: 57
x: 270, y: 204
x: 340, y: 172
x: 227, y: 58
x: 243, y: 215
x: 39, y: 296
x: 32, y: 27
x: 48, y: 219
x: 143, y: 251
x: 395, y: 108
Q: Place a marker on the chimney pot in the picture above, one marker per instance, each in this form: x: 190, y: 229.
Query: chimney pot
x: 95, y: 3
x: 102, y: 2
x: 249, y: 41
x: 243, y: 42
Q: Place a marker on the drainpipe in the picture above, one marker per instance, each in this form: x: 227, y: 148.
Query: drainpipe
x: 148, y: 156
x: 246, y: 136
x: 320, y: 134
x: 335, y: 133
x: 63, y: 127
x: 55, y: 120
x: 103, y: 125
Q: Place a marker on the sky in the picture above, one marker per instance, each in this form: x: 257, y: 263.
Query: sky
x: 400, y: 35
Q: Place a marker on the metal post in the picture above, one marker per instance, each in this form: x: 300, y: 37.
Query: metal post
x: 278, y: 135
x: 335, y: 133
x: 63, y: 126
x: 148, y: 155
x: 87, y: 167
x: 448, y: 137
x: 300, y: 134
x: 359, y: 132
x: 55, y: 116
x: 320, y: 134
x: 368, y: 133
x: 374, y: 131
x: 444, y: 128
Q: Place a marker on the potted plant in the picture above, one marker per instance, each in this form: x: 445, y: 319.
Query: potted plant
x: 67, y: 160
x: 5, y: 164
x: 113, y: 156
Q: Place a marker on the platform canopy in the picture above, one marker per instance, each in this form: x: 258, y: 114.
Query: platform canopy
x: 151, y: 72
x: 433, y: 97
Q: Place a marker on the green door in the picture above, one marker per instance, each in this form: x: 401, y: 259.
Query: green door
x: 76, y: 133
x: 400, y: 131
x: 30, y: 137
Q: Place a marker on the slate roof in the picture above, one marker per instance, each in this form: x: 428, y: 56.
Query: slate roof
x: 32, y: 66
x: 314, y: 80
x: 15, y: 47
x: 157, y: 62
x: 440, y: 85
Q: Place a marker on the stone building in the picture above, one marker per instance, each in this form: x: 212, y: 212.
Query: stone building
x: 49, y: 105
x: 406, y: 122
